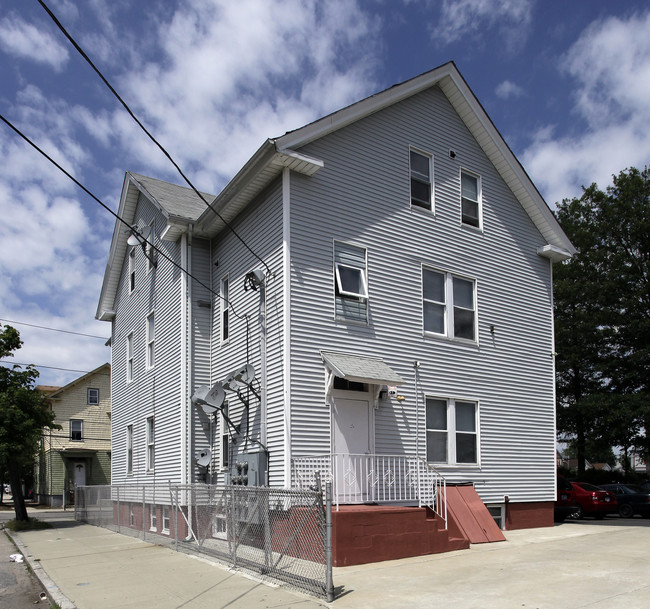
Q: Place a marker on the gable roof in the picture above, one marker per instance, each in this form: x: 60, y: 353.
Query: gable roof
x: 59, y: 390
x: 181, y: 206
x: 178, y: 204
x: 461, y: 97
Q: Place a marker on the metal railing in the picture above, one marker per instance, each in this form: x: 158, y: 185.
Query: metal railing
x: 389, y: 479
x: 282, y: 534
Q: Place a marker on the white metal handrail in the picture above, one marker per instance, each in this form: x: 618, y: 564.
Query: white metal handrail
x: 388, y: 479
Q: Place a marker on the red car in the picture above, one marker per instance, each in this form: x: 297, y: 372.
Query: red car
x: 594, y: 501
x: 565, y: 504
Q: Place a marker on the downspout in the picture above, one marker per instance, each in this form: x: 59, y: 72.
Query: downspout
x: 286, y: 321
x: 184, y: 384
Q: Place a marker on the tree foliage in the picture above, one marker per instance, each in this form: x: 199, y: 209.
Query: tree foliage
x: 602, y: 309
x: 24, y: 412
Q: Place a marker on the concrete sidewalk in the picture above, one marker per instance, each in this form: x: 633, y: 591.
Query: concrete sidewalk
x: 595, y: 564
x: 89, y: 567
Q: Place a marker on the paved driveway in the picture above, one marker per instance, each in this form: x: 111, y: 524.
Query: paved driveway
x: 595, y: 564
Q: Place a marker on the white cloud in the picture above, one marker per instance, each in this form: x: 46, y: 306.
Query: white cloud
x: 22, y: 39
x: 610, y: 68
x: 467, y: 19
x: 507, y: 89
x: 234, y: 73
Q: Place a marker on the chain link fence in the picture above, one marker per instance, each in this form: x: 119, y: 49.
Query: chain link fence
x: 280, y: 534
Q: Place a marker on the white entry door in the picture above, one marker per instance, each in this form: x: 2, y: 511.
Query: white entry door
x: 351, y: 426
x: 79, y: 473
x: 352, y: 443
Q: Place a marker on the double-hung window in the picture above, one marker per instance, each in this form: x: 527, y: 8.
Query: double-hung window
x: 151, y: 444
x: 93, y: 396
x: 350, y: 282
x: 129, y: 449
x: 225, y: 438
x: 151, y: 252
x: 132, y: 269
x: 421, y: 170
x: 151, y: 336
x: 448, y: 304
x: 224, y: 309
x: 470, y: 199
x: 129, y: 358
x: 452, y: 431
x: 76, y: 430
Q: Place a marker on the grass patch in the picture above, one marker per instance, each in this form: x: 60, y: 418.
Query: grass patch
x: 31, y: 524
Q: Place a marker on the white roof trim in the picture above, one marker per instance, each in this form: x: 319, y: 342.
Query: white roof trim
x: 453, y: 85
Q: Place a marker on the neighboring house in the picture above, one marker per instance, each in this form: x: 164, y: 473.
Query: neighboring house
x: 80, y: 452
x: 402, y: 306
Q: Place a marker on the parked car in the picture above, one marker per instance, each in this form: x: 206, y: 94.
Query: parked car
x: 565, y: 504
x: 594, y: 501
x: 631, y: 499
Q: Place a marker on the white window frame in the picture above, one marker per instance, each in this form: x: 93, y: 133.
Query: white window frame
x: 350, y: 306
x: 129, y: 450
x: 132, y: 269
x: 224, y: 436
x: 417, y: 203
x: 80, y: 431
x: 449, y: 306
x: 166, y: 520
x: 93, y: 401
x: 452, y: 432
x: 151, y: 337
x: 151, y: 252
x: 150, y: 429
x: 224, y: 317
x: 153, y: 519
x: 478, y: 201
x: 129, y: 357
x: 362, y: 274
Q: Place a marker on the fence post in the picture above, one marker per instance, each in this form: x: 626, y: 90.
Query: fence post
x: 266, y: 504
x: 175, y: 513
x: 118, y: 509
x: 329, y: 582
x: 143, y: 503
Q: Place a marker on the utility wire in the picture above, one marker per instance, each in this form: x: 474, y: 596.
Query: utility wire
x: 151, y: 137
x: 5, y: 361
x: 23, y: 323
x: 109, y: 210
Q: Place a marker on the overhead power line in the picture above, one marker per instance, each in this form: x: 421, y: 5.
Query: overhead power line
x: 24, y: 323
x: 151, y: 137
x: 109, y: 210
x: 5, y: 361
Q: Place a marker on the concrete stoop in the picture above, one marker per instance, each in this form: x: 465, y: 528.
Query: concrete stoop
x: 371, y: 533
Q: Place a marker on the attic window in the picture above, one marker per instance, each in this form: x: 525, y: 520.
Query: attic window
x: 93, y: 396
x: 470, y: 199
x: 421, y: 183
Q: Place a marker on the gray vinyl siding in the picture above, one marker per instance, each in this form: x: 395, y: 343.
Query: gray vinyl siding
x: 156, y: 391
x: 201, y: 302
x: 362, y: 196
x: 260, y: 226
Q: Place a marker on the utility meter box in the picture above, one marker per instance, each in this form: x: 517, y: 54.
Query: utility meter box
x: 249, y: 469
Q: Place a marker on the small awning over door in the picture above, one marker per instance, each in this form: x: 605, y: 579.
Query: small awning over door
x: 361, y: 368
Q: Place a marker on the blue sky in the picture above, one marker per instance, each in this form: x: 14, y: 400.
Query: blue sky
x: 566, y: 83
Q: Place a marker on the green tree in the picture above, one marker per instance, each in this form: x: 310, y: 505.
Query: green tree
x: 602, y: 309
x: 24, y: 412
